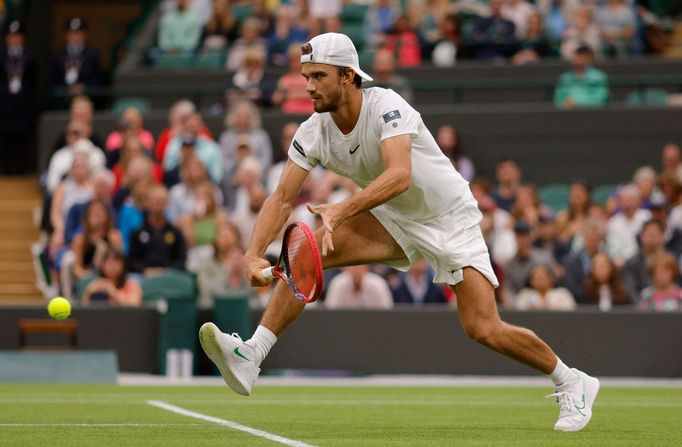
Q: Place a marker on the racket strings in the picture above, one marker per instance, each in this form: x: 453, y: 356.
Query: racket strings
x: 301, y: 262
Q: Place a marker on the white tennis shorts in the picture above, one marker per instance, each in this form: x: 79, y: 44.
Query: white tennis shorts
x: 450, y: 242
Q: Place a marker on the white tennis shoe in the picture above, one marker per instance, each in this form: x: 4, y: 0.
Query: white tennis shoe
x: 234, y: 358
x: 575, y: 401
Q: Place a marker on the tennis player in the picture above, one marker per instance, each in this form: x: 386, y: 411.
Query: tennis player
x: 413, y: 204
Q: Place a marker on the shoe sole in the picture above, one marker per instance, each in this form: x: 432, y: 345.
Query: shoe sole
x: 591, y: 390
x: 210, y: 345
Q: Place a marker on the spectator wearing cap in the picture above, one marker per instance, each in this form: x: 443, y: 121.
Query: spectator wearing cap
x: 179, y: 29
x: 517, y: 271
x: 583, y: 85
x: 75, y: 67
x: 191, y: 140
x: 18, y: 77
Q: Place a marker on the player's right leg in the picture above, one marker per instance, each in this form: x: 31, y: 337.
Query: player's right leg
x: 359, y: 240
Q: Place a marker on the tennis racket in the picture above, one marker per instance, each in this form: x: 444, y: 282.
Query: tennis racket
x: 299, y: 263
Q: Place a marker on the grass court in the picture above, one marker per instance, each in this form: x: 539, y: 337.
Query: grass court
x: 101, y: 415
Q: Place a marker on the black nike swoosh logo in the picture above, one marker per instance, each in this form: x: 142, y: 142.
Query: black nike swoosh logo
x: 353, y: 150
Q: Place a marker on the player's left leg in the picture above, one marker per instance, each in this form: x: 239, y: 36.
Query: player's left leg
x: 575, y: 390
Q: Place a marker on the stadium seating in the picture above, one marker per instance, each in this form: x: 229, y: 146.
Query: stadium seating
x: 555, y: 196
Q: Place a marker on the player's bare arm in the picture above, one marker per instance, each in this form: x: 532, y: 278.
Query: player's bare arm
x: 271, y: 219
x: 396, y: 178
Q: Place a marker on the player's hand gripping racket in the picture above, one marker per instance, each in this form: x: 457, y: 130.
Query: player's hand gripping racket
x: 299, y: 263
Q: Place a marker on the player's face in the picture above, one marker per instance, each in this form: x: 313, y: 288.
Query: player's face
x: 323, y: 85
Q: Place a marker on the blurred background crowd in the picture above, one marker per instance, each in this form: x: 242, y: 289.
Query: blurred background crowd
x: 133, y: 204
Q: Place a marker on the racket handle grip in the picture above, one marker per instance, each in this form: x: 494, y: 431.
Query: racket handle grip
x: 268, y: 273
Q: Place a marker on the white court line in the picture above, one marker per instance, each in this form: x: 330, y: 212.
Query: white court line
x: 226, y: 423
x: 98, y: 425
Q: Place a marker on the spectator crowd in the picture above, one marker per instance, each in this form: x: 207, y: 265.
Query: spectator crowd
x: 186, y: 200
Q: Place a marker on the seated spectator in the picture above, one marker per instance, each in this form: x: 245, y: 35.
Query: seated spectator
x: 177, y: 117
x: 102, y: 182
x: 113, y: 285
x: 636, y: 272
x: 660, y: 212
x: 139, y: 168
x: 250, y: 81
x: 81, y: 110
x: 179, y: 29
x: 221, y: 28
x: 183, y: 196
x: 403, y: 42
x: 622, y: 229
x: 131, y: 214
x: 671, y: 160
x: 243, y: 120
x: 247, y: 180
x: 557, y: 14
x: 284, y: 34
x: 61, y: 161
x: 508, y: 175
x: 447, y: 44
x: 493, y: 37
x: 416, y: 286
x: 251, y: 37
x: 671, y: 188
x: 427, y: 16
x: 519, y: 12
x: 603, y: 284
x: 534, y: 45
x: 618, y: 24
x: 191, y: 140
x: 291, y: 94
x: 663, y: 294
x: 131, y: 123
x: 75, y: 188
x: 221, y: 273
x: 450, y: 143
x: 158, y: 245
x: 570, y: 221
x: 379, y: 20
x: 274, y: 172
x: 132, y: 148
x: 99, y: 234
x: 324, y: 13
x: 385, y: 76
x: 356, y: 287
x: 582, y: 31
x: 542, y: 293
x: 200, y: 227
x: 245, y: 219
x: 517, y: 271
x: 578, y: 264
x: 496, y: 226
x: 527, y: 207
x: 644, y: 179
x: 584, y: 85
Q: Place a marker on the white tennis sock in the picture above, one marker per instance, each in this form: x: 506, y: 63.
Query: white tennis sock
x: 562, y: 374
x: 261, y: 342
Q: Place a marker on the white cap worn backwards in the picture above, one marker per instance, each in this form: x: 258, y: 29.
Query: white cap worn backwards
x: 333, y: 49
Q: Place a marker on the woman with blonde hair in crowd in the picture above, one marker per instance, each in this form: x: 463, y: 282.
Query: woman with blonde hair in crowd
x: 243, y: 121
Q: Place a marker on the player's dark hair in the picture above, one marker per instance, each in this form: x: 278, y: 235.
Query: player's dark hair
x: 357, y: 80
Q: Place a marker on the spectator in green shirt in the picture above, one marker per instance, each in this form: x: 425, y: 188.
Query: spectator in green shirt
x: 584, y: 85
x: 180, y: 29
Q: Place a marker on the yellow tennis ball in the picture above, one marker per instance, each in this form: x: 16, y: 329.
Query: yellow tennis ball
x: 59, y: 308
